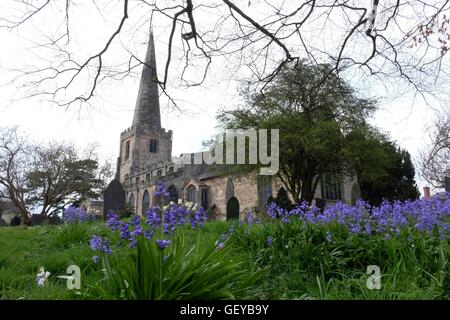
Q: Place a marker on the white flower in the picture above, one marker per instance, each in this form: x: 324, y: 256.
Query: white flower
x: 189, y: 204
x: 42, y: 276
x: 171, y: 203
x: 180, y: 201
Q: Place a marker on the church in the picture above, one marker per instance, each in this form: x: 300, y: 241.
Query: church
x: 146, y: 157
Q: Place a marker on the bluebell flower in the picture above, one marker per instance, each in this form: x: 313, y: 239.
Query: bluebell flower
x: 163, y: 243
x: 96, y: 243
x: 328, y: 236
x: 220, y: 245
x: 269, y: 240
x: 161, y: 191
x: 125, y: 232
x: 112, y: 221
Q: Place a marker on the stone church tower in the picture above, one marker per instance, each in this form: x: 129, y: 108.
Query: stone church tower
x: 145, y: 157
x: 145, y: 144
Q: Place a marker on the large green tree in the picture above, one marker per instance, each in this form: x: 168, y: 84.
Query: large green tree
x: 61, y: 176
x: 322, y: 123
x: 396, y: 182
x: 46, y: 178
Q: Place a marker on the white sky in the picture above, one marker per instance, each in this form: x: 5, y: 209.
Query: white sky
x: 111, y: 112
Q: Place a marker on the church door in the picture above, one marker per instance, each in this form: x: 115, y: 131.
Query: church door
x: 233, y: 209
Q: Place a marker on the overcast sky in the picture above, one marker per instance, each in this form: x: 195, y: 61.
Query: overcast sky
x: 406, y: 119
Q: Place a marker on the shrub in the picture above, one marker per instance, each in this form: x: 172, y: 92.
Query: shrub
x: 161, y: 264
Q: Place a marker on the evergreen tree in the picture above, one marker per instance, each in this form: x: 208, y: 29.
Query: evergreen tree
x: 398, y: 182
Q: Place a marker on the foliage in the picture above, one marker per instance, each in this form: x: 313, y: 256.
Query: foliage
x: 47, y: 177
x: 60, y: 176
x: 168, y: 267
x: 75, y: 230
x: 397, y: 182
x: 322, y: 124
x: 296, y: 254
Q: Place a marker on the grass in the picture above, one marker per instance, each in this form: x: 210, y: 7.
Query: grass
x: 299, y: 264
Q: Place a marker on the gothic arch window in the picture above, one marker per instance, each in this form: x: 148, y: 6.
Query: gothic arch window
x: 145, y: 202
x: 230, y: 189
x: 204, y: 201
x: 232, y: 209
x: 173, y: 193
x: 132, y: 201
x: 153, y: 146
x: 191, y: 193
x: 127, y: 150
x: 330, y: 187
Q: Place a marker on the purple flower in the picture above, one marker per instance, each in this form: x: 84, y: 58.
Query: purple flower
x: 113, y: 221
x: 137, y: 231
x: 76, y: 215
x: 328, y: 236
x: 249, y: 216
x: 149, y: 235
x: 220, y: 245
x: 269, y: 240
x: 96, y: 259
x: 100, y: 245
x: 136, y: 221
x: 199, y: 218
x: 161, y: 190
x: 96, y: 243
x: 163, y: 243
x: 125, y: 232
x: 153, y: 218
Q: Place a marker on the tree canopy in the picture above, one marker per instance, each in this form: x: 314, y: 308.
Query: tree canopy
x: 47, y: 178
x: 401, y: 42
x: 322, y: 123
x: 395, y: 182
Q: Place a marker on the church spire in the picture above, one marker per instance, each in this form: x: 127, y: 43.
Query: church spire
x: 147, y: 111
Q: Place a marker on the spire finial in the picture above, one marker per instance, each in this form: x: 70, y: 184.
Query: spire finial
x: 147, y: 111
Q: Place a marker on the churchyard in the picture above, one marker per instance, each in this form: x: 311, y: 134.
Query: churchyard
x: 398, y: 251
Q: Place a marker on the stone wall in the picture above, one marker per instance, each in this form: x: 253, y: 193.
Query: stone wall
x: 140, y: 158
x: 245, y: 190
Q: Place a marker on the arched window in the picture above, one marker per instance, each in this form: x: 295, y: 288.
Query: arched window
x: 132, y: 201
x: 145, y: 202
x: 204, y: 201
x: 331, y: 187
x: 230, y: 189
x: 232, y: 209
x: 173, y: 193
x: 191, y: 192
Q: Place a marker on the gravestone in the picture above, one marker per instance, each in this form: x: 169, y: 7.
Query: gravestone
x: 54, y: 220
x: 447, y: 184
x: 114, y: 198
x: 37, y: 220
x: 15, y: 221
x: 321, y: 204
